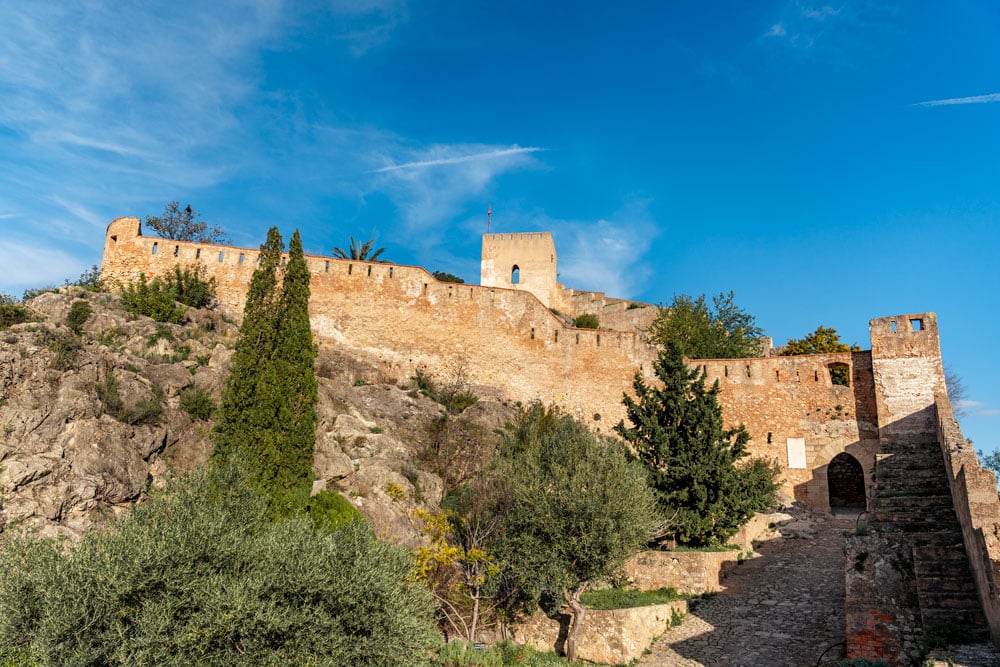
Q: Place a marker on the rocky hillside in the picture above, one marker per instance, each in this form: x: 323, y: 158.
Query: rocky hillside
x: 90, y: 420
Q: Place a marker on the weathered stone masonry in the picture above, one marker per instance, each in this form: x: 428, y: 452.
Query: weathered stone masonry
x: 891, y: 424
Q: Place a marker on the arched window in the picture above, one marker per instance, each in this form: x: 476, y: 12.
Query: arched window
x: 515, y: 275
x: 840, y: 374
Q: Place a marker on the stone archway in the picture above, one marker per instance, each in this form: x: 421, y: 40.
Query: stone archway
x: 846, y: 482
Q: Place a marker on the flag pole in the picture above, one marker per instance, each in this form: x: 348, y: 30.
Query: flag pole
x: 489, y: 218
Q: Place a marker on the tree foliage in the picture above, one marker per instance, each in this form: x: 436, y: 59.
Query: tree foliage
x: 824, y: 340
x: 693, y: 463
x: 700, y: 331
x: 182, y: 224
x: 362, y: 252
x: 586, y: 321
x: 267, y: 417
x: 575, y: 508
x: 198, y: 575
x: 12, y: 312
x: 447, y: 277
x: 164, y: 299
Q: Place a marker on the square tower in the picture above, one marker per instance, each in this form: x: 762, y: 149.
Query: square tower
x: 525, y: 261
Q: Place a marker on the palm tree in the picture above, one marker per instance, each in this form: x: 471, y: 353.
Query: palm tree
x: 359, y: 251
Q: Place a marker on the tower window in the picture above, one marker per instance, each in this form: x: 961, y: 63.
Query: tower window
x: 515, y: 275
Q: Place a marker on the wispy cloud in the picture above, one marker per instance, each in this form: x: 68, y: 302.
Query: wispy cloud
x: 606, y: 254
x: 491, y: 155
x: 34, y: 264
x: 977, y: 408
x: 833, y: 32
x: 802, y: 25
x: 433, y: 185
x: 976, y: 99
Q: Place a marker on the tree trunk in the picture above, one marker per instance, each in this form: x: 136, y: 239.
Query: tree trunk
x: 475, y: 619
x: 579, y: 611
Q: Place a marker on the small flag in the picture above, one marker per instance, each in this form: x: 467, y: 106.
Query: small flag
x: 489, y: 218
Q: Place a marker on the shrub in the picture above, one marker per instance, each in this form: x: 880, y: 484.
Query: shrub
x: 160, y: 298
x: 329, y: 509
x: 190, y: 287
x: 12, y: 312
x: 586, y: 321
x: 198, y: 403
x: 198, y: 575
x: 78, y: 315
x: 65, y: 347
x: 152, y: 299
x: 90, y: 279
x: 142, y: 412
x: 447, y: 277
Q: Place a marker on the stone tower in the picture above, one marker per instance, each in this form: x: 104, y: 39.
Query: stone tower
x: 524, y: 261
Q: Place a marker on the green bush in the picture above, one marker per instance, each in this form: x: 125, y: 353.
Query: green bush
x: 586, y: 321
x: 329, y: 509
x: 78, y: 315
x: 142, y: 412
x: 163, y: 299
x: 90, y: 279
x: 626, y: 598
x: 190, y: 287
x: 198, y: 576
x: 12, y: 312
x: 447, y: 277
x: 152, y: 299
x: 197, y: 402
x: 65, y: 347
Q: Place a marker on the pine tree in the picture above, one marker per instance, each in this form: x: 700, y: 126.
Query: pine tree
x: 267, y: 418
x: 677, y: 433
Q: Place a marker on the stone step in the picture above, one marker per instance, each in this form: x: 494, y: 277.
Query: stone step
x: 928, y: 502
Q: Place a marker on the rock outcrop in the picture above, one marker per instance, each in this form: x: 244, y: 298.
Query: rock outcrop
x: 89, y: 421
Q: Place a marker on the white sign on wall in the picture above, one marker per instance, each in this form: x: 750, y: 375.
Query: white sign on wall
x: 796, y: 453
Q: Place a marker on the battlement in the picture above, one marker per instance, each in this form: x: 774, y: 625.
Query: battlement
x: 506, y: 336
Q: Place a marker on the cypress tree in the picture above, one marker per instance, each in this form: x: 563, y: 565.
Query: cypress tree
x: 677, y: 433
x: 267, y: 418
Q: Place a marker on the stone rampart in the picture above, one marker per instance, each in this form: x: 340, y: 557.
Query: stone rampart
x: 403, y: 318
x: 974, y: 494
x: 798, y: 416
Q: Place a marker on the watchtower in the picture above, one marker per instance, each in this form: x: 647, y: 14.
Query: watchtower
x: 525, y: 261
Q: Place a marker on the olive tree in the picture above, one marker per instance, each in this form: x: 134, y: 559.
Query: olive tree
x: 575, y: 509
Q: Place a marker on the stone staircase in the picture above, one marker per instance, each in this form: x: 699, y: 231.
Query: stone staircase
x: 912, y: 502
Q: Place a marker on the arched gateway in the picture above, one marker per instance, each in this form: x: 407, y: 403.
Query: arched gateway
x: 846, y: 481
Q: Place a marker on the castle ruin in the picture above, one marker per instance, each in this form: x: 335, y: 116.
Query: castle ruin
x: 884, y: 441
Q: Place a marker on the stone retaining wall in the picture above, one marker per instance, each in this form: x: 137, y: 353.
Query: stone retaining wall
x: 694, y: 572
x: 613, y: 636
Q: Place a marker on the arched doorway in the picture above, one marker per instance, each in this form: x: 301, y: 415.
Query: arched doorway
x: 846, y: 482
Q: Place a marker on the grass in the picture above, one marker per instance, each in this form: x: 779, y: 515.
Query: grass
x: 627, y: 598
x: 709, y: 548
x: 504, y: 654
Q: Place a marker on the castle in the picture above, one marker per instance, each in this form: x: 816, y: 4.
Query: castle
x: 860, y: 444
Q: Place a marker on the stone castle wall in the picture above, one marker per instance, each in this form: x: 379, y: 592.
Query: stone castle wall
x: 505, y: 337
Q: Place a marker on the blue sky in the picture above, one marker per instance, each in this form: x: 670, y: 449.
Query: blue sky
x: 829, y: 162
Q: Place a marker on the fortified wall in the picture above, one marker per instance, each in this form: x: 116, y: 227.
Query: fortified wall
x: 930, y: 563
x: 502, y: 333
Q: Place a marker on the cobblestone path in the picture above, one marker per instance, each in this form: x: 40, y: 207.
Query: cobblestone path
x: 783, y: 608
